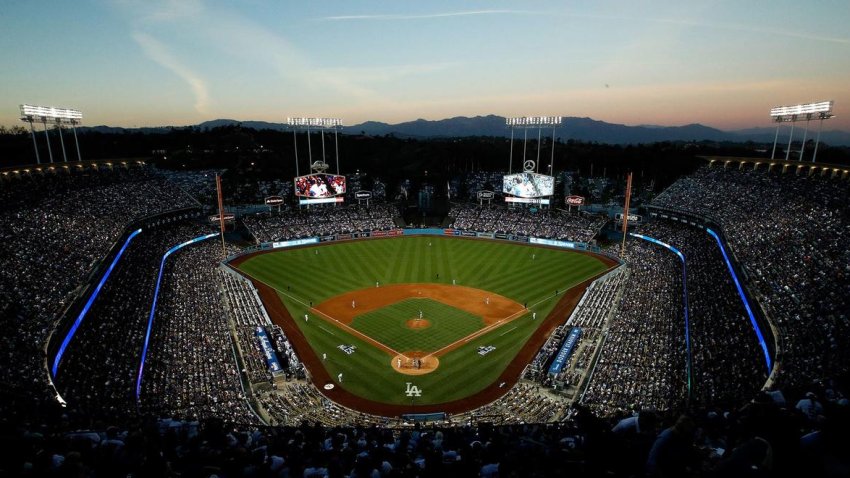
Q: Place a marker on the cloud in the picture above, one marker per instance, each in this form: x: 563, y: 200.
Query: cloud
x: 158, y: 52
x: 426, y: 16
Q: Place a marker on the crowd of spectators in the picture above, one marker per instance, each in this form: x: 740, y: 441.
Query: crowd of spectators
x: 198, y: 184
x: 54, y: 228
x: 643, y: 359
x: 788, y: 232
x: 191, y: 369
x: 247, y: 313
x: 320, y: 221
x: 553, y: 224
x: 98, y: 372
x: 591, y: 316
x: 727, y: 366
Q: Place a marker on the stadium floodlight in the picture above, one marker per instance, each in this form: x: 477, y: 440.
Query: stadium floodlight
x: 793, y: 113
x: 60, y: 116
x: 821, y: 110
x: 51, y: 113
x: 533, y: 121
x: 525, y: 123
x: 314, y: 122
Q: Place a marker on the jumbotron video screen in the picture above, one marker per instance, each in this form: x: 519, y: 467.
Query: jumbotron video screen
x: 528, y: 185
x: 319, y: 185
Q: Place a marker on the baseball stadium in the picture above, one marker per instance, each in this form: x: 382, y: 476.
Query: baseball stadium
x: 487, y: 296
x: 152, y: 295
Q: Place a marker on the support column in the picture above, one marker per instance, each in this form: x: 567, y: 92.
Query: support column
x: 295, y: 144
x: 34, y: 143
x: 62, y: 142
x: 511, y: 160
x: 775, y: 138
x: 817, y: 141
x: 47, y: 135
x: 790, y: 137
x: 803, y: 146
x: 76, y: 141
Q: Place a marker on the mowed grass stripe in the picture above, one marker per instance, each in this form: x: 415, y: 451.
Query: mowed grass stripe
x: 501, y: 267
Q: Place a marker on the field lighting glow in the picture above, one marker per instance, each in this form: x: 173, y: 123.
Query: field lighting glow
x: 314, y: 122
x: 534, y: 121
x: 823, y: 107
x: 50, y: 112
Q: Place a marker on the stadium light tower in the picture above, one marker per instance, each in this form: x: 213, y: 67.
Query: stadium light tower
x: 59, y: 116
x: 321, y: 124
x: 791, y: 114
x: 528, y: 122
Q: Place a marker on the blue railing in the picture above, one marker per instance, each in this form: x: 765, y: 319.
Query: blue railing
x: 82, y: 315
x: 684, y: 298
x: 153, y: 306
x: 744, y: 300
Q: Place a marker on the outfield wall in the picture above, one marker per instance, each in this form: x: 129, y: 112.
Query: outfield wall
x: 538, y: 241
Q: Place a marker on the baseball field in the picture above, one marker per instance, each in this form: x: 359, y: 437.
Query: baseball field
x: 422, y: 323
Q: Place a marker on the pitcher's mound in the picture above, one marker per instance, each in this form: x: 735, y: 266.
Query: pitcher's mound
x: 418, y: 323
x: 415, y: 363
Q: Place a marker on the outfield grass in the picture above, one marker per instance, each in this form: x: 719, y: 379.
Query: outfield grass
x: 388, y: 325
x: 525, y: 274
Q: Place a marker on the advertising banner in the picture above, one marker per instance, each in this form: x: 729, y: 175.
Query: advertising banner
x: 566, y: 350
x: 268, y: 351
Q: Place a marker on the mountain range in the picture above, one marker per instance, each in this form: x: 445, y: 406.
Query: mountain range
x: 582, y: 129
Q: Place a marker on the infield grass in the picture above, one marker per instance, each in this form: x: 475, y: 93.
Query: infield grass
x: 528, y: 275
x: 388, y: 325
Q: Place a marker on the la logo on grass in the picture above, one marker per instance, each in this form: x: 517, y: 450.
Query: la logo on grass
x: 413, y: 390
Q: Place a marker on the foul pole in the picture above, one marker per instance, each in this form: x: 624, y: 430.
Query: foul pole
x: 626, y: 213
x: 220, y: 213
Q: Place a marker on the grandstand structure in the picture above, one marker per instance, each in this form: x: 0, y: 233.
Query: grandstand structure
x: 85, y: 284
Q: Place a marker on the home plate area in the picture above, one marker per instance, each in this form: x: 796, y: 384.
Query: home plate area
x: 415, y: 363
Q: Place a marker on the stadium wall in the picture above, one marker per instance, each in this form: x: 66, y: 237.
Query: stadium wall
x: 536, y: 241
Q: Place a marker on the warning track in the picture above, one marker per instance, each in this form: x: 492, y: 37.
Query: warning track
x: 319, y: 376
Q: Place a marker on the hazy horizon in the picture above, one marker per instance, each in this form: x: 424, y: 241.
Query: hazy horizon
x: 182, y: 62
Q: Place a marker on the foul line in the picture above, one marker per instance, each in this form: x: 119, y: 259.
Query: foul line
x: 436, y: 353
x: 341, y: 325
x: 507, y: 331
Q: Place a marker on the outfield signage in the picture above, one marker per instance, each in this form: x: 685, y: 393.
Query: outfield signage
x: 429, y: 231
x: 274, y: 201
x: 485, y: 235
x: 295, y: 242
x: 268, y: 351
x: 363, y: 195
x: 542, y: 201
x: 632, y: 217
x: 321, y: 200
x: 486, y: 194
x: 228, y: 217
x: 566, y: 350
x: 574, y: 200
x: 552, y: 242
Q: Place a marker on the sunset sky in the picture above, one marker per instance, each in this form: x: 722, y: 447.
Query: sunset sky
x: 160, y: 62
